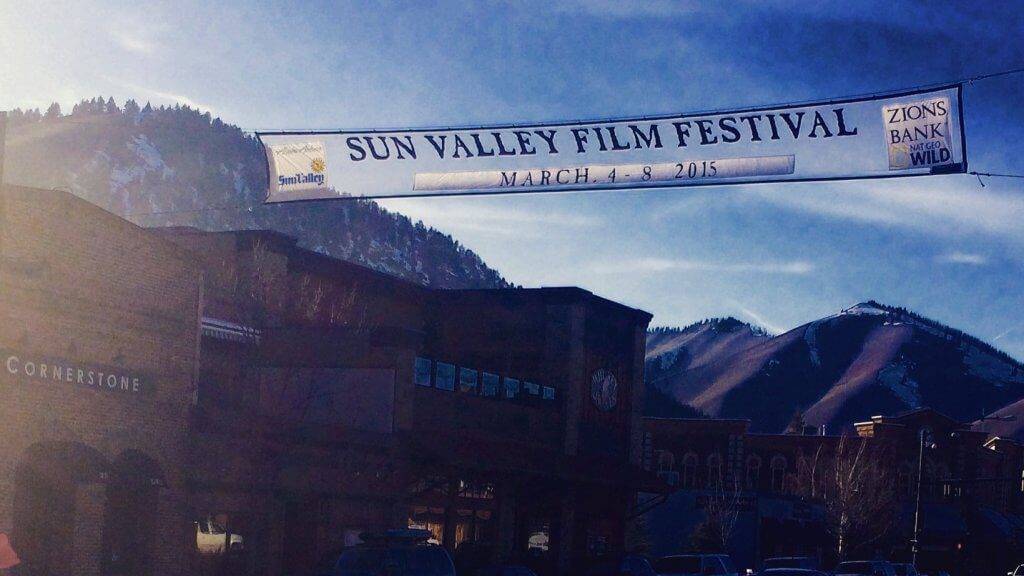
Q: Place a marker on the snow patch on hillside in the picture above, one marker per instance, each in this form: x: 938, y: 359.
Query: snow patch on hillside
x: 990, y: 368
x: 864, y: 309
x: 811, y: 338
x: 149, y: 155
x: 896, y: 378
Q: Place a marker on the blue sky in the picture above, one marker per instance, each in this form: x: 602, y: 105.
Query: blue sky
x: 778, y: 255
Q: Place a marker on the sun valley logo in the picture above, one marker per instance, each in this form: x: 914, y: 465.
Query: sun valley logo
x: 300, y: 166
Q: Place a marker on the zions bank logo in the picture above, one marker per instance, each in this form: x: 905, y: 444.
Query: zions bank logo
x: 300, y: 166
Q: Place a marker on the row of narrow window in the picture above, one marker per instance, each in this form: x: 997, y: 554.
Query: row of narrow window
x: 449, y: 377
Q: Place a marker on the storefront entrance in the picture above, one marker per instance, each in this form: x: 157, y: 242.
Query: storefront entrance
x: 47, y: 481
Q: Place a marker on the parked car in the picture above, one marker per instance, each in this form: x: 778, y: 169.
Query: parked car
x: 802, y: 562
x: 212, y: 538
x: 621, y: 565
x: 695, y: 564
x: 904, y: 569
x: 865, y: 568
x: 791, y: 572
x: 395, y: 553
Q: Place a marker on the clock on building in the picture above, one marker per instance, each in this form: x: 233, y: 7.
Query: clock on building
x: 604, y: 390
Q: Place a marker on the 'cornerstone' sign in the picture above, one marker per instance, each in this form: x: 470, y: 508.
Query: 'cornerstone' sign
x: 55, y: 370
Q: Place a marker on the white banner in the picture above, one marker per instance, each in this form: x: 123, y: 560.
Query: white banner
x: 908, y: 134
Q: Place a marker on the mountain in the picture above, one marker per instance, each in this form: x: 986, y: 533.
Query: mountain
x: 868, y: 359
x: 673, y: 351
x: 1007, y: 422
x: 180, y: 167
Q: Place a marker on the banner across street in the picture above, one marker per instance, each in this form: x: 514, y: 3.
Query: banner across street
x: 911, y: 133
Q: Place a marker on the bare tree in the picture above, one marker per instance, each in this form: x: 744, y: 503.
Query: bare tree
x: 857, y: 490
x: 721, y: 506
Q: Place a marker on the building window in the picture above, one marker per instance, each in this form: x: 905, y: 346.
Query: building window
x: 475, y: 490
x: 489, y: 385
x: 667, y: 467
x: 548, y: 393
x: 666, y: 461
x: 753, y: 472
x: 689, y: 470
x: 467, y: 380
x: 778, y: 474
x: 511, y: 388
x: 531, y: 388
x: 422, y: 372
x: 714, y: 480
x: 444, y: 377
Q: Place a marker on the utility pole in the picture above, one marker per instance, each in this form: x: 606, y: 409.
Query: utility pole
x: 916, y: 542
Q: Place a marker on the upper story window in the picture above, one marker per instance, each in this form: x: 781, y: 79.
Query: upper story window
x: 753, y: 472
x: 422, y: 372
x: 778, y: 474
x: 511, y: 388
x: 444, y: 376
x: 489, y: 385
x: 666, y: 461
x: 467, y: 380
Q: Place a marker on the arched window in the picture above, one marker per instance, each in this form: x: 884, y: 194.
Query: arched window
x: 689, y: 470
x: 667, y: 467
x: 753, y: 472
x: 666, y: 461
x: 715, y: 479
x: 778, y: 474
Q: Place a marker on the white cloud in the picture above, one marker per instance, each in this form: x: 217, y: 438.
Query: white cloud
x: 654, y: 265
x: 962, y: 258
x: 757, y: 318
x: 1004, y: 333
x: 133, y: 42
x: 945, y: 206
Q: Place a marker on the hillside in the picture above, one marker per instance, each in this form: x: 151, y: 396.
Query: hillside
x: 179, y: 167
x: 868, y: 359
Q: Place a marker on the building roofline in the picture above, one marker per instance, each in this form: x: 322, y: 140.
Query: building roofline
x: 22, y: 193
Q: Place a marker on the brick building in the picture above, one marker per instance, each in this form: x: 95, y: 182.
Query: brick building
x: 178, y: 402
x: 971, y: 487
x: 99, y: 340
x: 334, y: 400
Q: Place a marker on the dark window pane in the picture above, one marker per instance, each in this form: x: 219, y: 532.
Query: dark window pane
x: 445, y: 376
x: 489, y: 384
x: 422, y: 372
x: 467, y: 380
x: 511, y: 388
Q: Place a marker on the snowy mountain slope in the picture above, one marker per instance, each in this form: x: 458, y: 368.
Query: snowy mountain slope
x: 868, y: 359
x: 179, y: 167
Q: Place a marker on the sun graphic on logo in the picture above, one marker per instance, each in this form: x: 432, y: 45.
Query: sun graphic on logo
x: 318, y: 165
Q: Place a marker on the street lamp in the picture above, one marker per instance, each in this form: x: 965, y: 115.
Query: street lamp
x: 924, y: 437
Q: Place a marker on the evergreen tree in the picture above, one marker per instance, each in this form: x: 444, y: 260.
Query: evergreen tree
x: 53, y: 112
